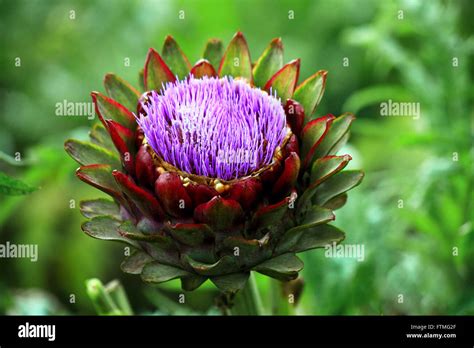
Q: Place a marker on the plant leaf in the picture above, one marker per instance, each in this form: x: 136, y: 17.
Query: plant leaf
x: 318, y: 237
x: 203, y: 68
x: 213, y: 52
x: 192, y: 282
x: 121, y: 91
x: 315, y: 216
x: 269, y: 63
x: 310, y: 92
x: 155, y: 272
x: 284, y: 267
x: 337, y: 184
x: 106, y: 228
x: 100, y: 136
x: 134, y: 263
x: 98, y: 207
x: 236, y: 61
x: 156, y: 72
x: 108, y: 109
x: 175, y: 58
x: 13, y: 187
x: 226, y: 264
x: 339, y: 127
x: 284, y: 81
x: 99, y: 176
x: 86, y: 153
x: 231, y: 283
x: 313, y: 134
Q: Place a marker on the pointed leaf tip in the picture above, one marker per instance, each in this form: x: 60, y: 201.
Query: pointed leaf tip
x: 156, y: 72
x: 109, y: 109
x: 269, y: 62
x: 284, y: 80
x: 236, y: 61
x: 86, y: 153
x: 175, y: 58
x: 203, y: 68
x: 213, y: 52
x: 310, y: 92
x: 121, y: 91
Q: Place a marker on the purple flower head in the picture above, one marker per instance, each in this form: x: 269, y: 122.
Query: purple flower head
x: 219, y: 128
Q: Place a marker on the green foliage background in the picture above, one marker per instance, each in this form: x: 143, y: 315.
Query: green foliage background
x: 408, y: 251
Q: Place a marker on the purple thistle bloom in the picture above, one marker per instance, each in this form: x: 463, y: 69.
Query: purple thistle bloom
x: 219, y: 128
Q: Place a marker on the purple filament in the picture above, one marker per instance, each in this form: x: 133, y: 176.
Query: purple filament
x: 219, y: 128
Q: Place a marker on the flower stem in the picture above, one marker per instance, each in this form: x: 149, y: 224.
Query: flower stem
x: 248, y: 301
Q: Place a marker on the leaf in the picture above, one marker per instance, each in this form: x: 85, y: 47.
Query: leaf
x: 86, y: 153
x: 121, y: 91
x: 325, y: 167
x: 141, y: 79
x: 269, y: 63
x: 316, y: 236
x: 310, y: 92
x: 189, y: 233
x: 105, y: 228
x: 144, y: 200
x: 226, y: 264
x: 213, y: 52
x: 268, y: 214
x: 316, y: 215
x: 284, y: 267
x: 192, y: 282
x: 339, y: 127
x: 175, y: 58
x: 129, y: 230
x: 220, y: 213
x: 156, y: 72
x: 100, y: 206
x: 236, y: 61
x: 13, y: 187
x: 155, y: 272
x: 284, y: 81
x: 336, y: 202
x: 100, y: 136
x: 337, y: 185
x: 231, y: 283
x: 108, y: 109
x: 287, y: 180
x: 123, y: 139
x: 134, y: 263
x: 252, y: 251
x: 313, y: 134
x: 203, y: 68
x: 99, y: 176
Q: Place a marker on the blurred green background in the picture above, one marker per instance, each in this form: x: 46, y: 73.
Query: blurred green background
x: 413, y: 212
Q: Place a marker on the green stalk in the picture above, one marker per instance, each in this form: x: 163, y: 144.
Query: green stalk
x: 103, y: 302
x: 248, y: 301
x: 119, y: 296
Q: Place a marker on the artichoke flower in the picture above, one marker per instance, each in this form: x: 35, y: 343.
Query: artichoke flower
x: 217, y: 169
